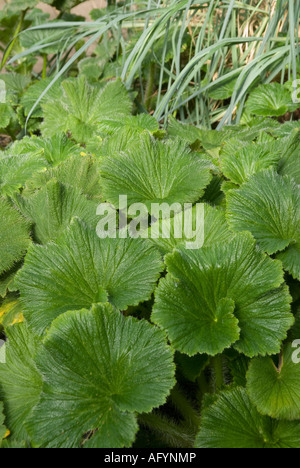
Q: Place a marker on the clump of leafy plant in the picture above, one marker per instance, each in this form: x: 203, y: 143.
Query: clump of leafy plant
x: 120, y: 342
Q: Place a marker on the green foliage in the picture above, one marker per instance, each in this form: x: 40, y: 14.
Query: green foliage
x: 14, y: 235
x: 79, y: 172
x: 20, y: 381
x: 80, y: 270
x: 52, y: 209
x: 233, y: 422
x: 83, y: 108
x: 99, y: 397
x: 2, y: 427
x: 269, y: 207
x: 55, y: 149
x: 270, y: 100
x: 275, y: 391
x: 163, y: 338
x: 222, y: 295
x: 154, y: 172
x: 16, y: 170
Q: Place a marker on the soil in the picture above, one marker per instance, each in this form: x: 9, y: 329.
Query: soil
x: 5, y: 140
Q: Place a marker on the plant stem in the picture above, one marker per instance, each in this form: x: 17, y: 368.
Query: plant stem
x: 150, y: 85
x: 217, y: 363
x: 184, y: 406
x: 173, y: 434
x: 203, y: 388
x: 15, y: 37
x: 280, y: 363
x: 45, y: 62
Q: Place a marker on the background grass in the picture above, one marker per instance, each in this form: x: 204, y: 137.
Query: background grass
x: 196, y: 60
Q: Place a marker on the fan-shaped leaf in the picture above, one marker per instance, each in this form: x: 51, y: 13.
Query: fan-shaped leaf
x: 80, y: 270
x: 55, y: 38
x: 14, y: 236
x: 52, y: 208
x: 122, y: 141
x: 33, y: 93
x: 213, y: 229
x: 271, y: 100
x: 3, y: 430
x: 99, y: 368
x: 6, y: 282
x: 275, y: 391
x: 289, y: 164
x: 55, y: 149
x: 83, y: 107
x: 241, y: 164
x: 139, y: 123
x: 16, y: 170
x: 15, y: 83
x: 233, y: 422
x: 11, y: 311
x: 20, y: 382
x: 21, y: 5
x: 78, y: 172
x: 211, y: 293
x: 6, y: 114
x: 188, y: 133
x: 154, y: 172
x: 269, y: 207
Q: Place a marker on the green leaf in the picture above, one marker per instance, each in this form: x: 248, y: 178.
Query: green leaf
x: 20, y: 381
x: 289, y: 164
x: 6, y: 282
x: 122, y: 141
x: 239, y: 165
x: 33, y: 93
x: 2, y: 427
x: 52, y: 208
x: 55, y: 149
x: 290, y: 259
x: 269, y: 207
x: 140, y: 123
x: 14, y: 236
x: 233, y: 422
x: 20, y: 5
x: 92, y: 68
x: 6, y: 114
x: 99, y: 368
x: 238, y: 367
x: 275, y: 391
x: 16, y: 170
x: 271, y: 100
x: 80, y: 270
x: 11, y: 311
x: 223, y: 90
x: 8, y: 443
x: 56, y: 37
x: 78, y: 172
x: 188, y: 133
x: 15, y: 83
x: 213, y: 229
x: 154, y: 172
x: 285, y: 130
x: 83, y: 107
x: 211, y: 294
